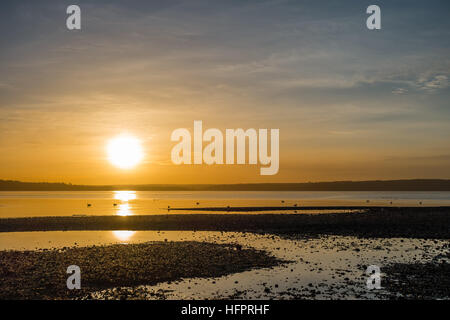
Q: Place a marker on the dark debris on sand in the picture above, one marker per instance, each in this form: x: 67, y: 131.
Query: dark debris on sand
x: 42, y: 274
x: 418, y: 281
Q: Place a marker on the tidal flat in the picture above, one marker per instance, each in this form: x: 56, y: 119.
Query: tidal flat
x: 292, y: 256
x: 407, y: 222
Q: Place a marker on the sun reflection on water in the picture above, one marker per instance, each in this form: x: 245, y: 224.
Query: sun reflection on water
x: 125, y: 195
x: 124, y: 209
x: 123, y: 235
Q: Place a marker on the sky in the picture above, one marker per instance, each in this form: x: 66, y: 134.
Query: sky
x: 350, y: 103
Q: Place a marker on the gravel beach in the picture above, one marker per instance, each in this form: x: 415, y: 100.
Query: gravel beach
x: 42, y: 274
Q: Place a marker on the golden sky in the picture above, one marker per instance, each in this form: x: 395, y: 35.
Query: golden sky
x: 351, y: 104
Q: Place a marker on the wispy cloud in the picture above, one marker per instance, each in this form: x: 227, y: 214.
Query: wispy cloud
x: 399, y: 91
x: 433, y: 83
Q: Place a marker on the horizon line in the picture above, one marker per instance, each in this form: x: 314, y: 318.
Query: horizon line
x: 227, y: 184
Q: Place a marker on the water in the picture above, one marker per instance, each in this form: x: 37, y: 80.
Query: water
x: 125, y: 203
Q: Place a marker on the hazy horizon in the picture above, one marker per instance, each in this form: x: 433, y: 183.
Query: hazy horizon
x: 425, y: 185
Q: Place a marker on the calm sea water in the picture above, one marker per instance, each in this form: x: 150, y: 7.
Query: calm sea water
x: 125, y: 203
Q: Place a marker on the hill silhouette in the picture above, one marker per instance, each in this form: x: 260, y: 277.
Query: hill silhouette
x: 373, y: 185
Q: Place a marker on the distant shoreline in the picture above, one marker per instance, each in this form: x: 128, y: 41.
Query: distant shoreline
x: 371, y: 185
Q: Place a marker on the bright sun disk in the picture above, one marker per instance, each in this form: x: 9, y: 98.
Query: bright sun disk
x: 124, y: 151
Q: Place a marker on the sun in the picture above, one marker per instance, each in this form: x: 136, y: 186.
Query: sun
x: 124, y: 151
